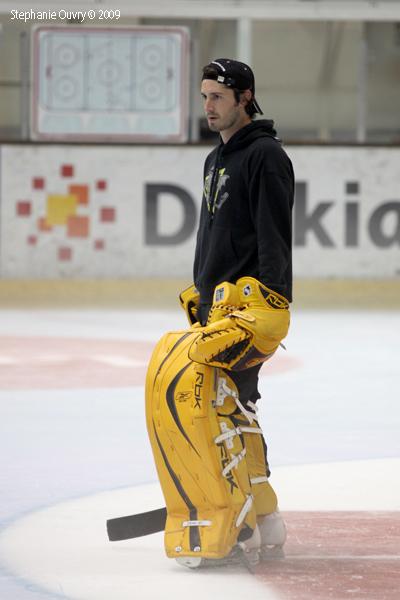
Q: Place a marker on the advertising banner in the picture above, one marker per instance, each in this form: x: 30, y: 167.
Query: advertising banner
x: 123, y: 212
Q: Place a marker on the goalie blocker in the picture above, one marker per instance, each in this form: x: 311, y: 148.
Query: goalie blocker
x: 208, y: 448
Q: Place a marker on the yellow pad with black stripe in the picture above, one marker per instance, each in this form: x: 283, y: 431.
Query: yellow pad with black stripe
x: 265, y: 500
x: 198, y: 451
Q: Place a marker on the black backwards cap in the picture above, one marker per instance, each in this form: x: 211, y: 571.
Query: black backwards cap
x: 233, y: 74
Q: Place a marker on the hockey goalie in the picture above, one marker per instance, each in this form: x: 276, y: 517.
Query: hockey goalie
x: 208, y: 446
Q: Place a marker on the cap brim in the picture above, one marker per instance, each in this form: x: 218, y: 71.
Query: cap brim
x: 257, y: 107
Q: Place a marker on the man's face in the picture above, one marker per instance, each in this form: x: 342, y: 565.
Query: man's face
x: 220, y: 106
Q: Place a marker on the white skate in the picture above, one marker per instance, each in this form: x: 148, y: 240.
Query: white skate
x: 273, y: 536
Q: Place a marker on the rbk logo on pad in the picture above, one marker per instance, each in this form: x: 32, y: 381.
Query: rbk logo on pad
x: 198, y: 389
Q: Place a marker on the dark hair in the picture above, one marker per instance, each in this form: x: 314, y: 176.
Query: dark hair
x: 249, y: 108
x: 210, y: 72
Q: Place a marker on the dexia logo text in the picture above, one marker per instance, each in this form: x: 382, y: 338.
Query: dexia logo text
x: 383, y: 222
x: 312, y: 221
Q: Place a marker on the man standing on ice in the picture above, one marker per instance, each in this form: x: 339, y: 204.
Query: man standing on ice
x: 201, y: 389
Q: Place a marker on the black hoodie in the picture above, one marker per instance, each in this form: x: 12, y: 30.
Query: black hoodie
x: 245, y: 220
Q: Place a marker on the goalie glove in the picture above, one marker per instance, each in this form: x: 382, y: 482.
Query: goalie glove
x: 189, y: 300
x: 247, y: 336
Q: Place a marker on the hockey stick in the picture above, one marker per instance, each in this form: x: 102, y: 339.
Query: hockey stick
x: 133, y: 526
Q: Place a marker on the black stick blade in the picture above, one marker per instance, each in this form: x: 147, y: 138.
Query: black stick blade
x: 133, y: 526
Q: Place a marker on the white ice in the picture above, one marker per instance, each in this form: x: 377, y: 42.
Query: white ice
x: 71, y: 458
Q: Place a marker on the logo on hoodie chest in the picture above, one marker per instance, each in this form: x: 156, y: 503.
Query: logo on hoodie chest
x: 214, y: 192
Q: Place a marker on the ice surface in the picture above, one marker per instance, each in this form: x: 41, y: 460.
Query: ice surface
x: 61, y: 446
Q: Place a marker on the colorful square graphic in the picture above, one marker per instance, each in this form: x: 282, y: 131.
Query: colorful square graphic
x: 101, y: 184
x: 107, y: 214
x: 61, y: 211
x: 99, y: 245
x: 60, y: 208
x: 81, y: 192
x: 67, y: 171
x: 43, y: 225
x: 64, y: 254
x: 78, y: 226
x: 38, y: 183
x: 24, y: 208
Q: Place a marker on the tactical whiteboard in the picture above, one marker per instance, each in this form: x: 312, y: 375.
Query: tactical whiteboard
x: 110, y: 84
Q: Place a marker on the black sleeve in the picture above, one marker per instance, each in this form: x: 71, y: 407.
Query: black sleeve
x: 271, y: 191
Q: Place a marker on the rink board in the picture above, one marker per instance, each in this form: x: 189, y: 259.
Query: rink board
x: 92, y: 212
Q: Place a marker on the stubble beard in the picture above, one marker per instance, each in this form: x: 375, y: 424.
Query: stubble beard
x: 227, y: 123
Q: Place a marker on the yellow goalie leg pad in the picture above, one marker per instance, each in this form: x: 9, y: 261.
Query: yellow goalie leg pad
x: 198, y: 451
x: 265, y: 499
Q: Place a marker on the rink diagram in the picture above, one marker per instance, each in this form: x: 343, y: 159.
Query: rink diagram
x: 74, y: 452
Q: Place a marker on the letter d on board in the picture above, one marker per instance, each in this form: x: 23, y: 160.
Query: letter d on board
x: 153, y: 193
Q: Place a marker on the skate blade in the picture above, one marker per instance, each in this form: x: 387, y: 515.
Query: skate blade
x: 271, y: 553
x: 236, y: 558
x: 191, y: 562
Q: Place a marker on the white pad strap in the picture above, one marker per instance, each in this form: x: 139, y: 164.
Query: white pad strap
x: 250, y: 416
x: 249, y: 430
x: 223, y: 391
x: 245, y: 509
x: 236, y: 458
x: 203, y: 523
x: 236, y: 431
x: 226, y: 435
x: 255, y: 480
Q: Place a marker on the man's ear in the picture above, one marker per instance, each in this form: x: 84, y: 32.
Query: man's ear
x: 245, y: 97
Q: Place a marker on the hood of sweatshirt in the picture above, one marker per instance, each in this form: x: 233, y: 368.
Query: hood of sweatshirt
x: 246, y: 135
